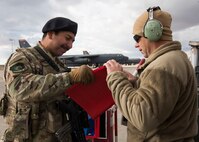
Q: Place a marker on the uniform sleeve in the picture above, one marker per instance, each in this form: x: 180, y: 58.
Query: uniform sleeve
x: 148, y: 105
x: 24, y: 85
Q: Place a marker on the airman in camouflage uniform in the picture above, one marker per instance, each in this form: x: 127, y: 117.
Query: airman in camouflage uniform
x: 36, y: 80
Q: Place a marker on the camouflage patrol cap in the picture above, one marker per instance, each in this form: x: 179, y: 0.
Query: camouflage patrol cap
x: 60, y: 24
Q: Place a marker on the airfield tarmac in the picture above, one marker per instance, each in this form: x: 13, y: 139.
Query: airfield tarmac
x: 121, y: 128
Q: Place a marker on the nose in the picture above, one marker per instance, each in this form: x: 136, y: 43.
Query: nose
x: 70, y: 44
x: 137, y: 45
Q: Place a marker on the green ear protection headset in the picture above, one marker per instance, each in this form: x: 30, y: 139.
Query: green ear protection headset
x: 153, y: 28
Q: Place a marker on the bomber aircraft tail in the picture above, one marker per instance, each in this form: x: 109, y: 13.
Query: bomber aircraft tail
x: 23, y: 43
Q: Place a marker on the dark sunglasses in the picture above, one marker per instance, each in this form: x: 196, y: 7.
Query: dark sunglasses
x: 136, y: 38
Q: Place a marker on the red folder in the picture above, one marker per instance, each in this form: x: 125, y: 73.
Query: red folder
x: 94, y: 98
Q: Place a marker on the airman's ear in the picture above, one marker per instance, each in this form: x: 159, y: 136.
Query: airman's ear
x: 50, y: 34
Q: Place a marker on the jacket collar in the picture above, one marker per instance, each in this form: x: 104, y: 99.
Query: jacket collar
x: 167, y: 47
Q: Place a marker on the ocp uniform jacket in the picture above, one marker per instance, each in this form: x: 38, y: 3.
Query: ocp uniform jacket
x: 34, y: 87
x: 162, y: 105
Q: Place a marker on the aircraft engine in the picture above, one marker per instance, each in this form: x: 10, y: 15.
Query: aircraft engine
x: 82, y: 60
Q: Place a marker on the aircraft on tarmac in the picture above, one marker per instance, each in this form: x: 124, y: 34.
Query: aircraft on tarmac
x: 89, y: 59
x: 96, y: 59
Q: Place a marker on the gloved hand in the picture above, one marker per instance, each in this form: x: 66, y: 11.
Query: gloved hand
x: 83, y: 74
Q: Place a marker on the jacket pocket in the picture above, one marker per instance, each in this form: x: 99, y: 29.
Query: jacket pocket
x: 21, y: 123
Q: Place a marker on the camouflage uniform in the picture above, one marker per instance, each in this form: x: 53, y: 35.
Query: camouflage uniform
x: 33, y: 88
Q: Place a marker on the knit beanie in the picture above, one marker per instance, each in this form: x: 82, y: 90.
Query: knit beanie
x: 162, y: 16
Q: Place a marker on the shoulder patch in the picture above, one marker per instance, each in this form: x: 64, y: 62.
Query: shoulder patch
x: 18, y: 67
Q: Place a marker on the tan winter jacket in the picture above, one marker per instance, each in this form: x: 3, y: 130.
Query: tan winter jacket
x: 162, y: 105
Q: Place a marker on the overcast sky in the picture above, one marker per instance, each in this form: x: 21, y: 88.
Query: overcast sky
x: 104, y: 26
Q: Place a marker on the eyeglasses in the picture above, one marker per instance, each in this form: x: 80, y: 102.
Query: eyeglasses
x: 136, y: 38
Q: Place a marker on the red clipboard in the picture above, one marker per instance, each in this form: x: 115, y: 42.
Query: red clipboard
x: 94, y: 98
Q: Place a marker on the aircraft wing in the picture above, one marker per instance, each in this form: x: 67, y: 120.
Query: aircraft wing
x: 68, y: 57
x: 76, y: 60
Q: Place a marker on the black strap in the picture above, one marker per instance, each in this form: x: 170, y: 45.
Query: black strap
x: 47, y: 58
